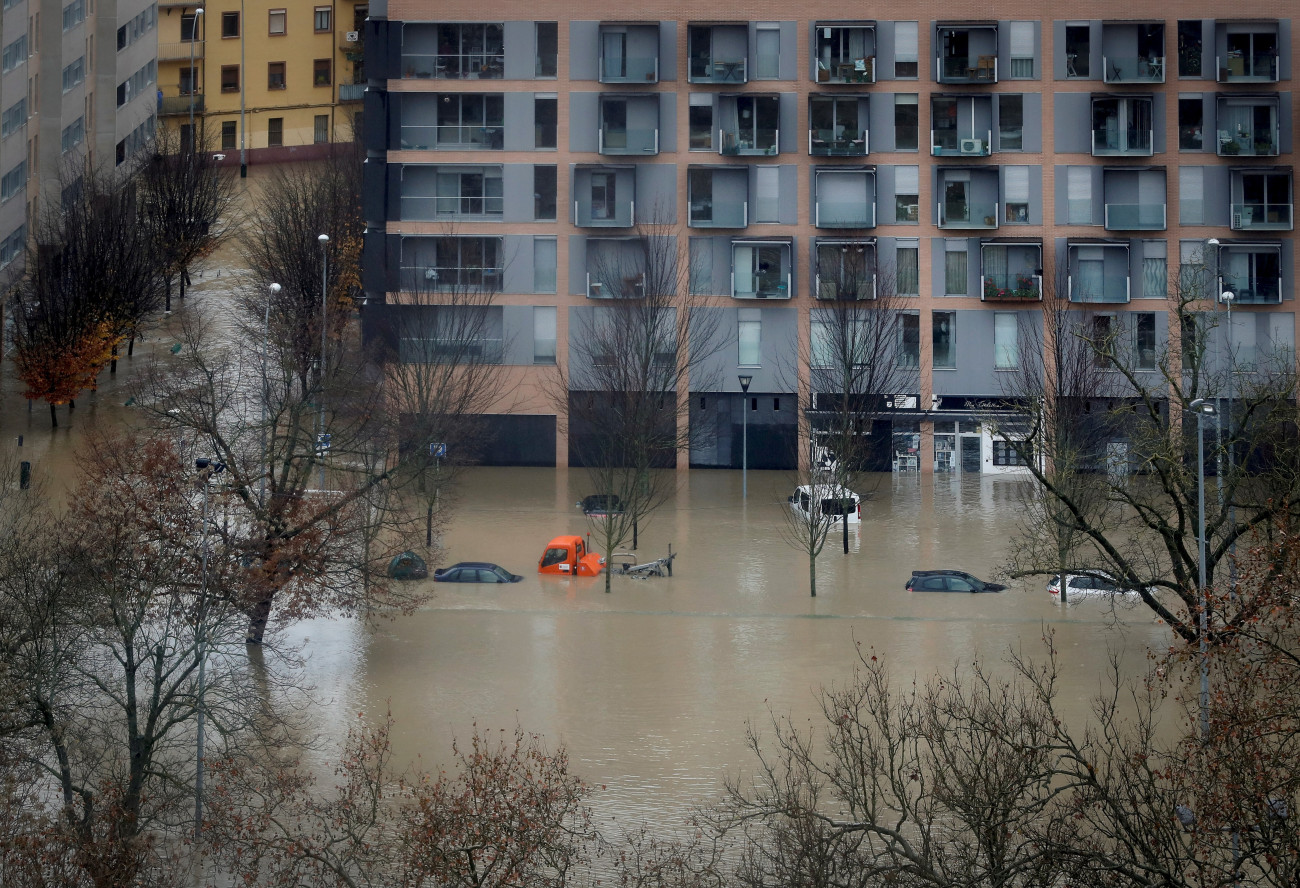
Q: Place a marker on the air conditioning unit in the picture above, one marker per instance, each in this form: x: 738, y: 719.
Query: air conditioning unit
x: 352, y: 36
x: 972, y: 146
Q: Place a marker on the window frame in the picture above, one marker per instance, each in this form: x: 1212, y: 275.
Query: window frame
x: 271, y: 16
x: 226, y: 19
x: 275, y: 125
x: 230, y: 87
x: 322, y: 65
x: 316, y: 19
x: 937, y: 318
x: 270, y: 75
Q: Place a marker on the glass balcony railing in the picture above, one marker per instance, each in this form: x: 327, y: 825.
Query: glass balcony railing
x: 462, y: 137
x: 760, y: 286
x: 1262, y: 143
x: 1133, y: 70
x: 629, y: 70
x: 1135, y: 217
x: 859, y: 70
x: 617, y: 215
x: 606, y: 287
x: 962, y: 69
x: 474, y: 66
x: 844, y: 214
x: 719, y: 214
x: 949, y: 143
x: 968, y: 214
x: 428, y: 279
x: 718, y: 70
x: 1260, y: 67
x: 1261, y: 217
x: 417, y: 208
x: 1253, y: 290
x: 1011, y: 287
x: 1111, y: 141
x: 629, y: 141
x: 172, y: 105
x: 751, y: 142
x: 846, y: 286
x: 824, y: 143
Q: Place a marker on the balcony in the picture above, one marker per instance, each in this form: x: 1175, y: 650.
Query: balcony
x: 1252, y: 272
x: 761, y: 269
x: 417, y: 208
x: 473, y: 66
x: 1135, y: 217
x: 616, y: 142
x: 1011, y: 271
x: 825, y: 143
x: 453, y: 137
x: 1247, y: 126
x: 1133, y: 52
x: 171, y: 106
x: 614, y: 287
x: 630, y: 70
x: 1248, y: 57
x: 180, y: 52
x: 844, y: 269
x: 1133, y: 70
x: 845, y: 52
x: 451, y: 279
x: 1097, y: 271
x: 757, y: 141
x: 1122, y: 127
x: 1261, y: 217
x: 947, y: 143
x: 351, y: 92
x: 860, y: 70
x: 709, y: 213
x: 718, y: 53
x: 967, y: 214
x: 844, y: 198
x: 966, y: 53
x: 434, y: 350
x: 629, y: 54
x: 1134, y: 199
x: 844, y: 214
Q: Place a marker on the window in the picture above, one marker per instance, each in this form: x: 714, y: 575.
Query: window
x: 908, y: 269
x: 1155, y: 283
x: 1078, y: 46
x: 1022, y: 50
x: 1078, y: 194
x: 1192, y: 328
x: 545, y: 121
x: 548, y: 49
x: 1011, y: 122
x: 74, y: 73
x: 12, y: 182
x: 321, y: 129
x: 544, y: 266
x: 749, y: 326
x: 468, y: 191
x: 701, y: 121
x: 955, y: 266
x: 1005, y: 453
x: 1144, y: 340
x: 74, y: 14
x: 909, y: 341
x: 14, y: 117
x: 767, y: 194
x: 321, y: 70
x: 1189, y: 48
x: 137, y: 84
x: 905, y: 50
x: 1015, y: 180
x: 229, y: 24
x: 942, y: 330
x: 767, y: 43
x: 275, y: 22
x: 275, y: 75
x: 12, y: 246
x: 321, y: 18
x: 1103, y: 341
x: 701, y: 270
x: 14, y: 54
x: 227, y: 135
x: 143, y: 22
x: 275, y: 132
x: 907, y: 194
x: 604, y: 200
x: 188, y: 82
x: 544, y: 193
x: 1191, y: 123
x: 73, y: 135
x: 229, y: 78
x: 1006, y: 340
x: 189, y: 31
x: 906, y: 122
x: 544, y: 324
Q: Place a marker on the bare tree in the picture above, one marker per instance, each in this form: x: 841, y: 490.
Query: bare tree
x: 186, y: 203
x: 631, y: 362
x: 817, y: 505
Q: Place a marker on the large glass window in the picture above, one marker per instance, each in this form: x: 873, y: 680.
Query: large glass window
x: 1144, y: 340
x: 1006, y: 340
x: 701, y: 122
x: 1011, y: 121
x: 1078, y: 47
x: 955, y: 265
x: 544, y: 333
x: 545, y: 121
x: 909, y: 341
x: 905, y: 50
x: 906, y: 122
x: 908, y: 269
x: 943, y: 337
x: 474, y: 49
x: 749, y: 327
x: 1191, y: 123
x: 1189, y: 48
x: 1022, y: 50
x: 469, y: 191
x: 907, y: 194
x: 544, y: 193
x: 547, y: 62
x: 471, y: 119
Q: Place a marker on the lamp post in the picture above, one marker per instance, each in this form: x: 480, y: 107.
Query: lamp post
x: 1227, y: 296
x: 1202, y: 408
x: 243, y: 151
x: 321, y: 442
x: 745, y: 380
x: 209, y: 467
x: 274, y: 291
x: 194, y: 35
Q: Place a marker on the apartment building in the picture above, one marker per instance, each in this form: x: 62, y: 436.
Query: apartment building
x: 971, y: 160
x: 77, y: 79
x: 271, y: 81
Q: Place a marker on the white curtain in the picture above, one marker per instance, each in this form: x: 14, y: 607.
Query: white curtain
x: 1006, y: 345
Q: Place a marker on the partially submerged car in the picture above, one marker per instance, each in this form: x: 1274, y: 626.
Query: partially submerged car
x: 949, y: 581
x: 601, y: 505
x: 833, y: 503
x: 568, y: 556
x: 408, y: 566
x: 1094, y: 582
x: 475, y: 572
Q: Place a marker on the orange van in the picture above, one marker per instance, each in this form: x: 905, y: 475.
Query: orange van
x: 567, y: 556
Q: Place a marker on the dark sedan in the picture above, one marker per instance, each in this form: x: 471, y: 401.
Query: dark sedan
x: 475, y: 572
x: 949, y: 581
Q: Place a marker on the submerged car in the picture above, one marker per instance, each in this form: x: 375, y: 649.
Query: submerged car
x: 949, y: 581
x: 600, y: 505
x: 834, y: 503
x: 408, y: 566
x: 475, y: 572
x: 1096, y: 582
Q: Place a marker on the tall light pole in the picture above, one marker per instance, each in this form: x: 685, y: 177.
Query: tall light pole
x: 209, y: 467
x: 266, y: 388
x: 745, y: 380
x: 1202, y: 408
x: 1227, y: 297
x: 322, y: 444
x: 243, y: 70
x: 194, y: 36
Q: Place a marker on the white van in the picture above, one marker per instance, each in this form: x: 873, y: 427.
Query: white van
x: 835, y: 503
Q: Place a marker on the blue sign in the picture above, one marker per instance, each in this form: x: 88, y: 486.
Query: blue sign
x: 438, y: 451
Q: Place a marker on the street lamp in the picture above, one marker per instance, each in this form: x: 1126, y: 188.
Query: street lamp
x: 1227, y: 296
x: 1202, y: 408
x: 209, y: 467
x: 321, y: 441
x: 274, y: 291
x: 745, y: 380
x: 194, y: 33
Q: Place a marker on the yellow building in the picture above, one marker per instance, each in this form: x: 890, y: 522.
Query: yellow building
x: 271, y: 80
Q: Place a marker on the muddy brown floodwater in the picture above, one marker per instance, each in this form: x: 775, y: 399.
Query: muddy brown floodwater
x: 650, y: 687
